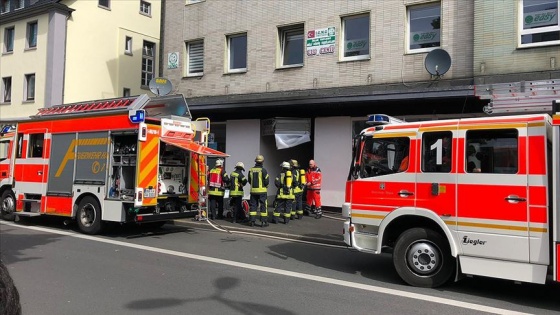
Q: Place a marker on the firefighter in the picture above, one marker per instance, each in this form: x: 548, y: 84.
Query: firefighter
x: 285, y: 196
x: 238, y: 180
x: 299, y: 175
x: 258, y: 181
x: 217, y: 183
x: 313, y: 184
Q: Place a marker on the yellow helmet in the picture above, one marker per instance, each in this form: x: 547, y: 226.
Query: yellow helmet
x: 259, y: 159
x: 294, y: 163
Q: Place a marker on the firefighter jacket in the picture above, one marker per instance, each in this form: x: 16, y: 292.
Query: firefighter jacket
x: 299, y: 175
x: 314, y: 178
x: 258, y: 179
x: 217, y: 181
x: 285, y: 184
x: 237, y: 181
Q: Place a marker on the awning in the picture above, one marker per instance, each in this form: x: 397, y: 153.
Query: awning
x: 193, y: 147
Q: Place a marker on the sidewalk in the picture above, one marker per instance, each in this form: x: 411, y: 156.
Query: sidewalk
x: 327, y: 229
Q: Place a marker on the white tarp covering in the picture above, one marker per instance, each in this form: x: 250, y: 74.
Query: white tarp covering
x: 284, y: 141
x: 288, y: 132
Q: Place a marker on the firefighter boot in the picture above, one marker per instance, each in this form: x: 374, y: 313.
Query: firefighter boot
x: 307, y: 210
x: 318, y: 213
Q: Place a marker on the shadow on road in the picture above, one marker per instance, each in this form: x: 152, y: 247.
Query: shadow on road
x: 222, y: 285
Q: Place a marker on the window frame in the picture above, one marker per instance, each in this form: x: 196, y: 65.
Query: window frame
x: 297, y: 30
x: 343, y: 36
x: 537, y: 30
x: 101, y: 4
x: 19, y: 4
x: 128, y: 45
x: 6, y: 90
x: 145, y: 5
x: 9, y: 40
x: 36, y: 138
x: 29, y: 87
x: 492, y: 149
x: 409, y: 25
x: 189, y: 50
x: 229, y: 54
x: 31, y: 35
x: 428, y: 146
x: 148, y: 75
x: 5, y: 6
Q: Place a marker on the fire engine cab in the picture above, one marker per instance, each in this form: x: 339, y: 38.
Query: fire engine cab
x: 134, y: 159
x: 473, y: 196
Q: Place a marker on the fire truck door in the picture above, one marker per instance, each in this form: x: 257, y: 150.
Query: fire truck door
x: 383, y: 182
x: 492, y: 207
x: 31, y: 162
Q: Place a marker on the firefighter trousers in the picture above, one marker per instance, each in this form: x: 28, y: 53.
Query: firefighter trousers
x: 257, y: 205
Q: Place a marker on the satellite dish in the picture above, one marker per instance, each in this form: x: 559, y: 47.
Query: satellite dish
x: 437, y: 62
x: 160, y: 86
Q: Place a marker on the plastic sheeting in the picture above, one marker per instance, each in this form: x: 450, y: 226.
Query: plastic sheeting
x: 284, y: 141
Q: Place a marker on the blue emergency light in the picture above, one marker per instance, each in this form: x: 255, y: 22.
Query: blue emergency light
x: 381, y: 119
x: 7, y: 129
x: 137, y: 116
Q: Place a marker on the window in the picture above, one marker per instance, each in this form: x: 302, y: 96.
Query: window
x: 355, y: 37
x: 9, y: 39
x: 492, y: 151
x: 126, y: 92
x: 291, y: 45
x: 128, y: 45
x: 424, y: 25
x: 18, y: 4
x: 381, y: 156
x: 145, y: 8
x: 237, y: 53
x: 30, y: 87
x: 195, y: 58
x: 4, y: 6
x: 4, y: 149
x: 19, y: 145
x: 35, y: 149
x: 539, y: 23
x: 437, y: 153
x: 6, y: 89
x: 32, y: 35
x: 105, y: 3
x: 148, y: 61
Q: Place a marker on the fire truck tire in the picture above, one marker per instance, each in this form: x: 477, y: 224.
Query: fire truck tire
x: 8, y: 206
x: 422, y: 258
x: 89, y: 216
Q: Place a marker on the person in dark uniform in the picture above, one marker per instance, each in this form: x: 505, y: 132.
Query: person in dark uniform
x: 258, y: 181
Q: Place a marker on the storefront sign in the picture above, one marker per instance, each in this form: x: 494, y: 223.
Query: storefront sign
x: 417, y: 38
x: 540, y: 18
x: 321, y: 41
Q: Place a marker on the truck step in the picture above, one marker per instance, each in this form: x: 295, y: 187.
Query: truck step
x: 31, y: 200
x: 28, y: 214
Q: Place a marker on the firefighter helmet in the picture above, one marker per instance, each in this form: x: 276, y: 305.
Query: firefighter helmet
x: 240, y: 165
x: 219, y: 162
x: 285, y: 165
x: 259, y: 159
x: 294, y: 163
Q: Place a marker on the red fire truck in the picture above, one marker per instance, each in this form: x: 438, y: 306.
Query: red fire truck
x: 448, y: 198
x: 133, y: 159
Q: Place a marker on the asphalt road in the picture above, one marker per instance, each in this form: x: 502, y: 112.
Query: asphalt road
x: 181, y: 270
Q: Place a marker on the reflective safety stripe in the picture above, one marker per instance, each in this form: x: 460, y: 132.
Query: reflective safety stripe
x: 257, y: 180
x: 215, y: 178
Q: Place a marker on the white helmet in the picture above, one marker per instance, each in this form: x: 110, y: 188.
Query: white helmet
x: 219, y: 162
x: 240, y: 165
x: 285, y: 165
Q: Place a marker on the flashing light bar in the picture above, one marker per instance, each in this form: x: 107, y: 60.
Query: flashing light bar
x: 7, y: 129
x: 382, y: 119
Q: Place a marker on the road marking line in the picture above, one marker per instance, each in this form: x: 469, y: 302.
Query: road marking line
x: 405, y: 294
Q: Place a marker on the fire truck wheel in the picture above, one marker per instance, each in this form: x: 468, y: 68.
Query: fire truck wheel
x: 89, y: 215
x: 422, y: 258
x: 8, y: 206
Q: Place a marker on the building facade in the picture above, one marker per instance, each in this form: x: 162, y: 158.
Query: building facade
x: 331, y: 62
x: 56, y: 52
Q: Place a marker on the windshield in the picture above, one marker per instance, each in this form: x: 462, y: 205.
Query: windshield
x: 381, y: 156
